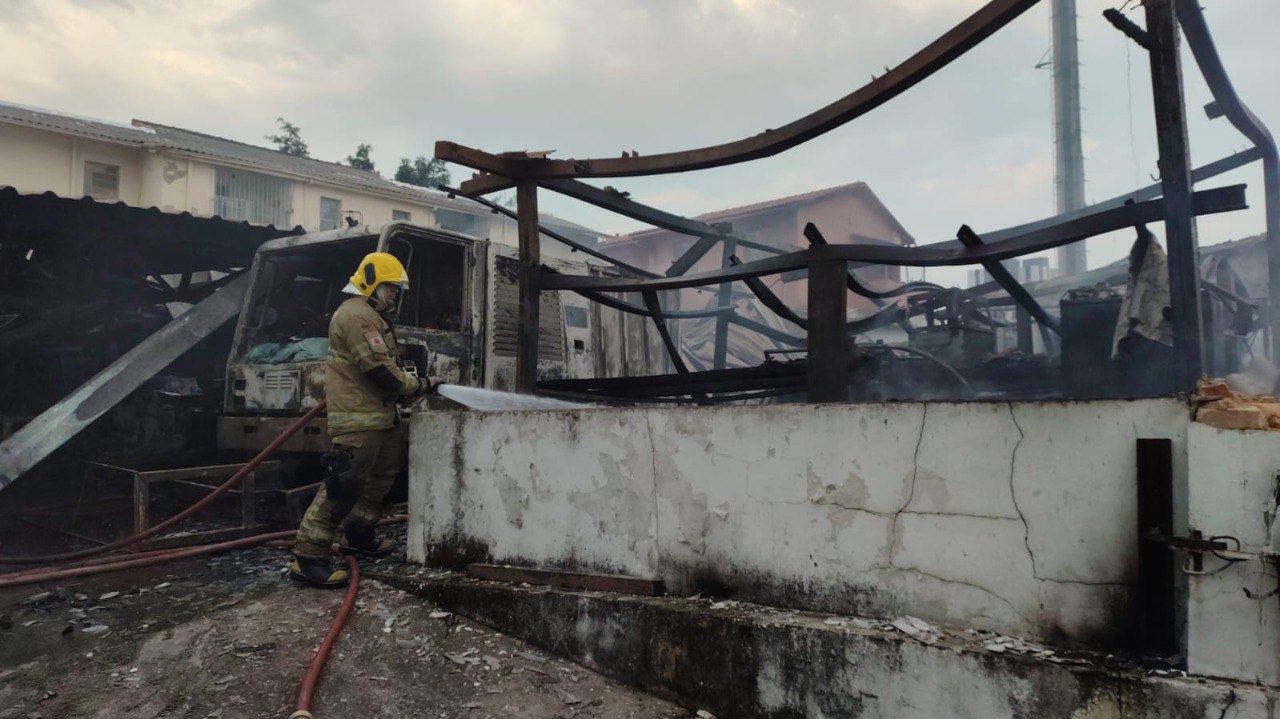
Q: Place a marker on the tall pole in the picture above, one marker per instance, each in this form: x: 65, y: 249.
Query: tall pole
x: 1175, y: 182
x: 1068, y: 147
x: 530, y: 271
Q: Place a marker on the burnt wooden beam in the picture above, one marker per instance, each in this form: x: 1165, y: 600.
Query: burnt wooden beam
x: 829, y: 347
x: 530, y: 302
x: 1175, y: 182
x: 619, y: 583
x: 933, y: 57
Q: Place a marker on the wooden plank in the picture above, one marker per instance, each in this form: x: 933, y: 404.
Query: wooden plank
x: 619, y: 583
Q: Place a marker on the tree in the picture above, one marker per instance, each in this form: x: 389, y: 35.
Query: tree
x: 361, y: 160
x: 290, y: 140
x: 422, y: 172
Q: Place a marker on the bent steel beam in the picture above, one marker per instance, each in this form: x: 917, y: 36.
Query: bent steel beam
x: 577, y: 246
x: 1019, y: 293
x: 627, y: 207
x: 933, y: 57
x: 1223, y: 199
x: 49, y: 431
x: 768, y: 298
x: 1196, y: 31
x: 655, y: 312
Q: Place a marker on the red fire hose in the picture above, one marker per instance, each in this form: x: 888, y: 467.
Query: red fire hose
x: 309, y: 680
x: 101, y: 565
x: 222, y: 489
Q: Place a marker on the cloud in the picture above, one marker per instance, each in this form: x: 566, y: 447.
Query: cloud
x: 971, y: 144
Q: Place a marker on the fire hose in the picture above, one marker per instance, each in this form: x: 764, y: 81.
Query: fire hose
x: 87, y: 562
x: 205, y: 501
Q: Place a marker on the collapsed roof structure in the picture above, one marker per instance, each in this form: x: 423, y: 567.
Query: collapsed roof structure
x: 825, y: 374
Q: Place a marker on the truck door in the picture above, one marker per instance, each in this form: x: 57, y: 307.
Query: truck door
x: 436, y: 325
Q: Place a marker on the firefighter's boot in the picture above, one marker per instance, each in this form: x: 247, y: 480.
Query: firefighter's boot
x: 362, y: 541
x: 317, y: 573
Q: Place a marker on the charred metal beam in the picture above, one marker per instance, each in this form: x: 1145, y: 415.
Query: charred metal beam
x: 1150, y: 192
x: 691, y: 256
x: 773, y: 334
x: 1196, y: 30
x: 724, y: 296
x: 627, y: 207
x: 634, y: 309
x: 969, y: 238
x: 576, y: 246
x: 655, y: 312
x: 49, y: 431
x: 739, y: 379
x: 1223, y: 199
x: 933, y: 57
x: 1121, y: 22
x: 768, y: 298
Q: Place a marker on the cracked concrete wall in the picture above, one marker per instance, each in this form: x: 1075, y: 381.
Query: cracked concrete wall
x: 1018, y: 518
x: 1229, y: 633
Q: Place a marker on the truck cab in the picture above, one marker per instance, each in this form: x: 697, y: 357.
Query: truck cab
x: 457, y: 322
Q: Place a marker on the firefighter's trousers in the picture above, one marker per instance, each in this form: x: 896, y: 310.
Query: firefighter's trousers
x: 376, y: 458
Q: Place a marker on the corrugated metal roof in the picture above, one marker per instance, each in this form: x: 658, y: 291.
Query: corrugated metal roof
x: 73, y: 124
x: 221, y: 149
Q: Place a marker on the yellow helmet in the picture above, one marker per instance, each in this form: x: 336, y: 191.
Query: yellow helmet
x: 376, y: 268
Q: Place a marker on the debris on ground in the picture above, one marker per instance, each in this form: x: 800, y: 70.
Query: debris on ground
x: 230, y: 636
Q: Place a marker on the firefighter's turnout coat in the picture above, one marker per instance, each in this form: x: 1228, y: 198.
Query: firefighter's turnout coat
x: 362, y: 374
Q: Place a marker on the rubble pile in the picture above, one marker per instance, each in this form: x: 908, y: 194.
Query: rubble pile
x: 1223, y: 407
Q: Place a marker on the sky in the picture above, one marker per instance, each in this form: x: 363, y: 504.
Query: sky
x: 588, y: 78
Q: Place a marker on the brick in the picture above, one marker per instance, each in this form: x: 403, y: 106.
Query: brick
x: 1232, y: 418
x: 1209, y: 389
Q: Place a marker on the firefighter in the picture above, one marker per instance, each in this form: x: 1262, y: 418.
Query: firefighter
x: 363, y: 382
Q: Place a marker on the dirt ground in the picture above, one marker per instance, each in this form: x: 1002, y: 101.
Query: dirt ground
x: 230, y: 636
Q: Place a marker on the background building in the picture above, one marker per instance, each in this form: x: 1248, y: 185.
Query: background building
x: 146, y: 164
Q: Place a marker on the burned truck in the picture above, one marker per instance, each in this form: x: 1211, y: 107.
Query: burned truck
x: 457, y: 321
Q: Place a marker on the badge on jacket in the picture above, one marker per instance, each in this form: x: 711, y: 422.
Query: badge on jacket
x: 376, y: 342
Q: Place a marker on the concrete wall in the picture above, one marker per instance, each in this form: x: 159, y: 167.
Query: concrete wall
x: 1230, y: 634
x: 870, y: 509
x: 34, y: 161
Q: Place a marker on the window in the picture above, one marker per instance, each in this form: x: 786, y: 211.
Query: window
x: 464, y: 222
x: 252, y: 197
x: 102, y: 181
x: 401, y: 215
x: 576, y: 317
x: 330, y: 213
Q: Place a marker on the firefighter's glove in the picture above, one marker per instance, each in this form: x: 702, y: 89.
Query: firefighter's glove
x: 433, y: 385
x: 339, y: 475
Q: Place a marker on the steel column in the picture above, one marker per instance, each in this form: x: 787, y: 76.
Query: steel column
x: 724, y: 297
x: 530, y: 262
x: 829, y: 352
x: 1175, y: 180
x: 1191, y: 18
